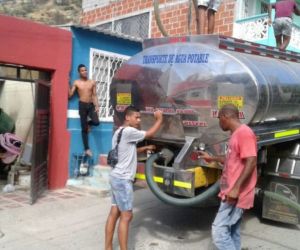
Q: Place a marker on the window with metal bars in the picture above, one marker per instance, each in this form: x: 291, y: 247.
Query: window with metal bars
x: 103, y: 67
x: 136, y: 26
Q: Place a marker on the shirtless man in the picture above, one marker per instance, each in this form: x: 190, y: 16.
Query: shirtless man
x: 88, y: 104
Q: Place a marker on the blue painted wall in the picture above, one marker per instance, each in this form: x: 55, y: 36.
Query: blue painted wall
x: 83, y: 41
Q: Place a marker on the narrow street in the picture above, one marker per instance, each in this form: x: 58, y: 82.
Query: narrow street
x: 66, y: 219
x: 224, y: 77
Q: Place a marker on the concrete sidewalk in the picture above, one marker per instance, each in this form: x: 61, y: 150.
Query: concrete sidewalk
x: 73, y: 223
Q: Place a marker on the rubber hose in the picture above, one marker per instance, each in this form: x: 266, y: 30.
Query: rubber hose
x: 195, y: 3
x: 183, y: 202
x: 282, y: 199
x: 157, y: 18
x: 189, y: 17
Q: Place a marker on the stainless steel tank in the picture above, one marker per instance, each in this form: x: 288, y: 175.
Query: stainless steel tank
x: 190, y: 81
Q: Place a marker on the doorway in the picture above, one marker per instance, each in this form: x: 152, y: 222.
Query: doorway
x: 25, y: 103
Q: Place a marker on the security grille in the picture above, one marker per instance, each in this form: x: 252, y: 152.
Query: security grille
x: 104, y: 65
x: 135, y: 26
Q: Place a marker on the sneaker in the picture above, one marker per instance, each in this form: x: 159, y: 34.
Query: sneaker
x: 88, y: 152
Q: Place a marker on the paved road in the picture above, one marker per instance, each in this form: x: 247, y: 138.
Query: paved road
x: 78, y: 223
x: 159, y: 226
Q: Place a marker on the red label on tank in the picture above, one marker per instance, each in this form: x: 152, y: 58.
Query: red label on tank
x: 177, y: 39
x: 194, y: 123
x: 215, y: 114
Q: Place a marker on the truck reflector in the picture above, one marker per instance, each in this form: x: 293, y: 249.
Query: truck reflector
x: 182, y: 184
x: 161, y: 180
x: 286, y: 133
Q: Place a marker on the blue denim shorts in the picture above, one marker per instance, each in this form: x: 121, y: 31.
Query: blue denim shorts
x: 121, y: 193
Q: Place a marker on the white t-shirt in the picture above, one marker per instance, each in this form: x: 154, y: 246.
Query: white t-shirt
x: 127, y: 155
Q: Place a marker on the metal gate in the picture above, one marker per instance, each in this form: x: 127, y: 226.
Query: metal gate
x: 39, y: 171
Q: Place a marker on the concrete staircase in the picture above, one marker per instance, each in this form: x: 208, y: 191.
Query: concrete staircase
x: 97, y: 183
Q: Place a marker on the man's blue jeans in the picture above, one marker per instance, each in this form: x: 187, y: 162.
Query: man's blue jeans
x: 226, y: 227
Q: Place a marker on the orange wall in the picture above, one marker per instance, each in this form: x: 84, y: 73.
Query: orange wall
x: 46, y: 48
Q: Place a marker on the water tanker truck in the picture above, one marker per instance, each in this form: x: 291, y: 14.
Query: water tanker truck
x: 189, y: 78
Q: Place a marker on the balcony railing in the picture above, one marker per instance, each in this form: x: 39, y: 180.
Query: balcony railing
x: 252, y: 29
x: 295, y: 39
x: 256, y: 29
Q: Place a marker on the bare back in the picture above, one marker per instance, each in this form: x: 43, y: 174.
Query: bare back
x: 85, y: 90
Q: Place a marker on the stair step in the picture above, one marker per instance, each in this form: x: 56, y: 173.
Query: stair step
x: 101, y: 171
x: 90, y: 190
x: 91, y: 184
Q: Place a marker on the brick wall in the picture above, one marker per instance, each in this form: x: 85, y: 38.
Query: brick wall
x: 88, y: 5
x: 174, y: 15
x: 225, y: 18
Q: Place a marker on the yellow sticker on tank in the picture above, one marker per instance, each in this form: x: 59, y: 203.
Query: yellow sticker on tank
x: 123, y: 98
x: 238, y: 101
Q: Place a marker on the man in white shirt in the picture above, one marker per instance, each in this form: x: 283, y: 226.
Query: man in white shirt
x: 122, y: 175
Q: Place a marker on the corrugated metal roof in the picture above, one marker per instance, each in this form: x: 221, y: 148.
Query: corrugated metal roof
x: 109, y: 32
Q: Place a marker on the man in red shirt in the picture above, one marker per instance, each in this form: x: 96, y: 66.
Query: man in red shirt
x: 283, y: 22
x: 238, y: 179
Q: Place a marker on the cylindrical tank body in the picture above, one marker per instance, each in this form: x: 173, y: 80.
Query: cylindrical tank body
x: 191, y: 81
